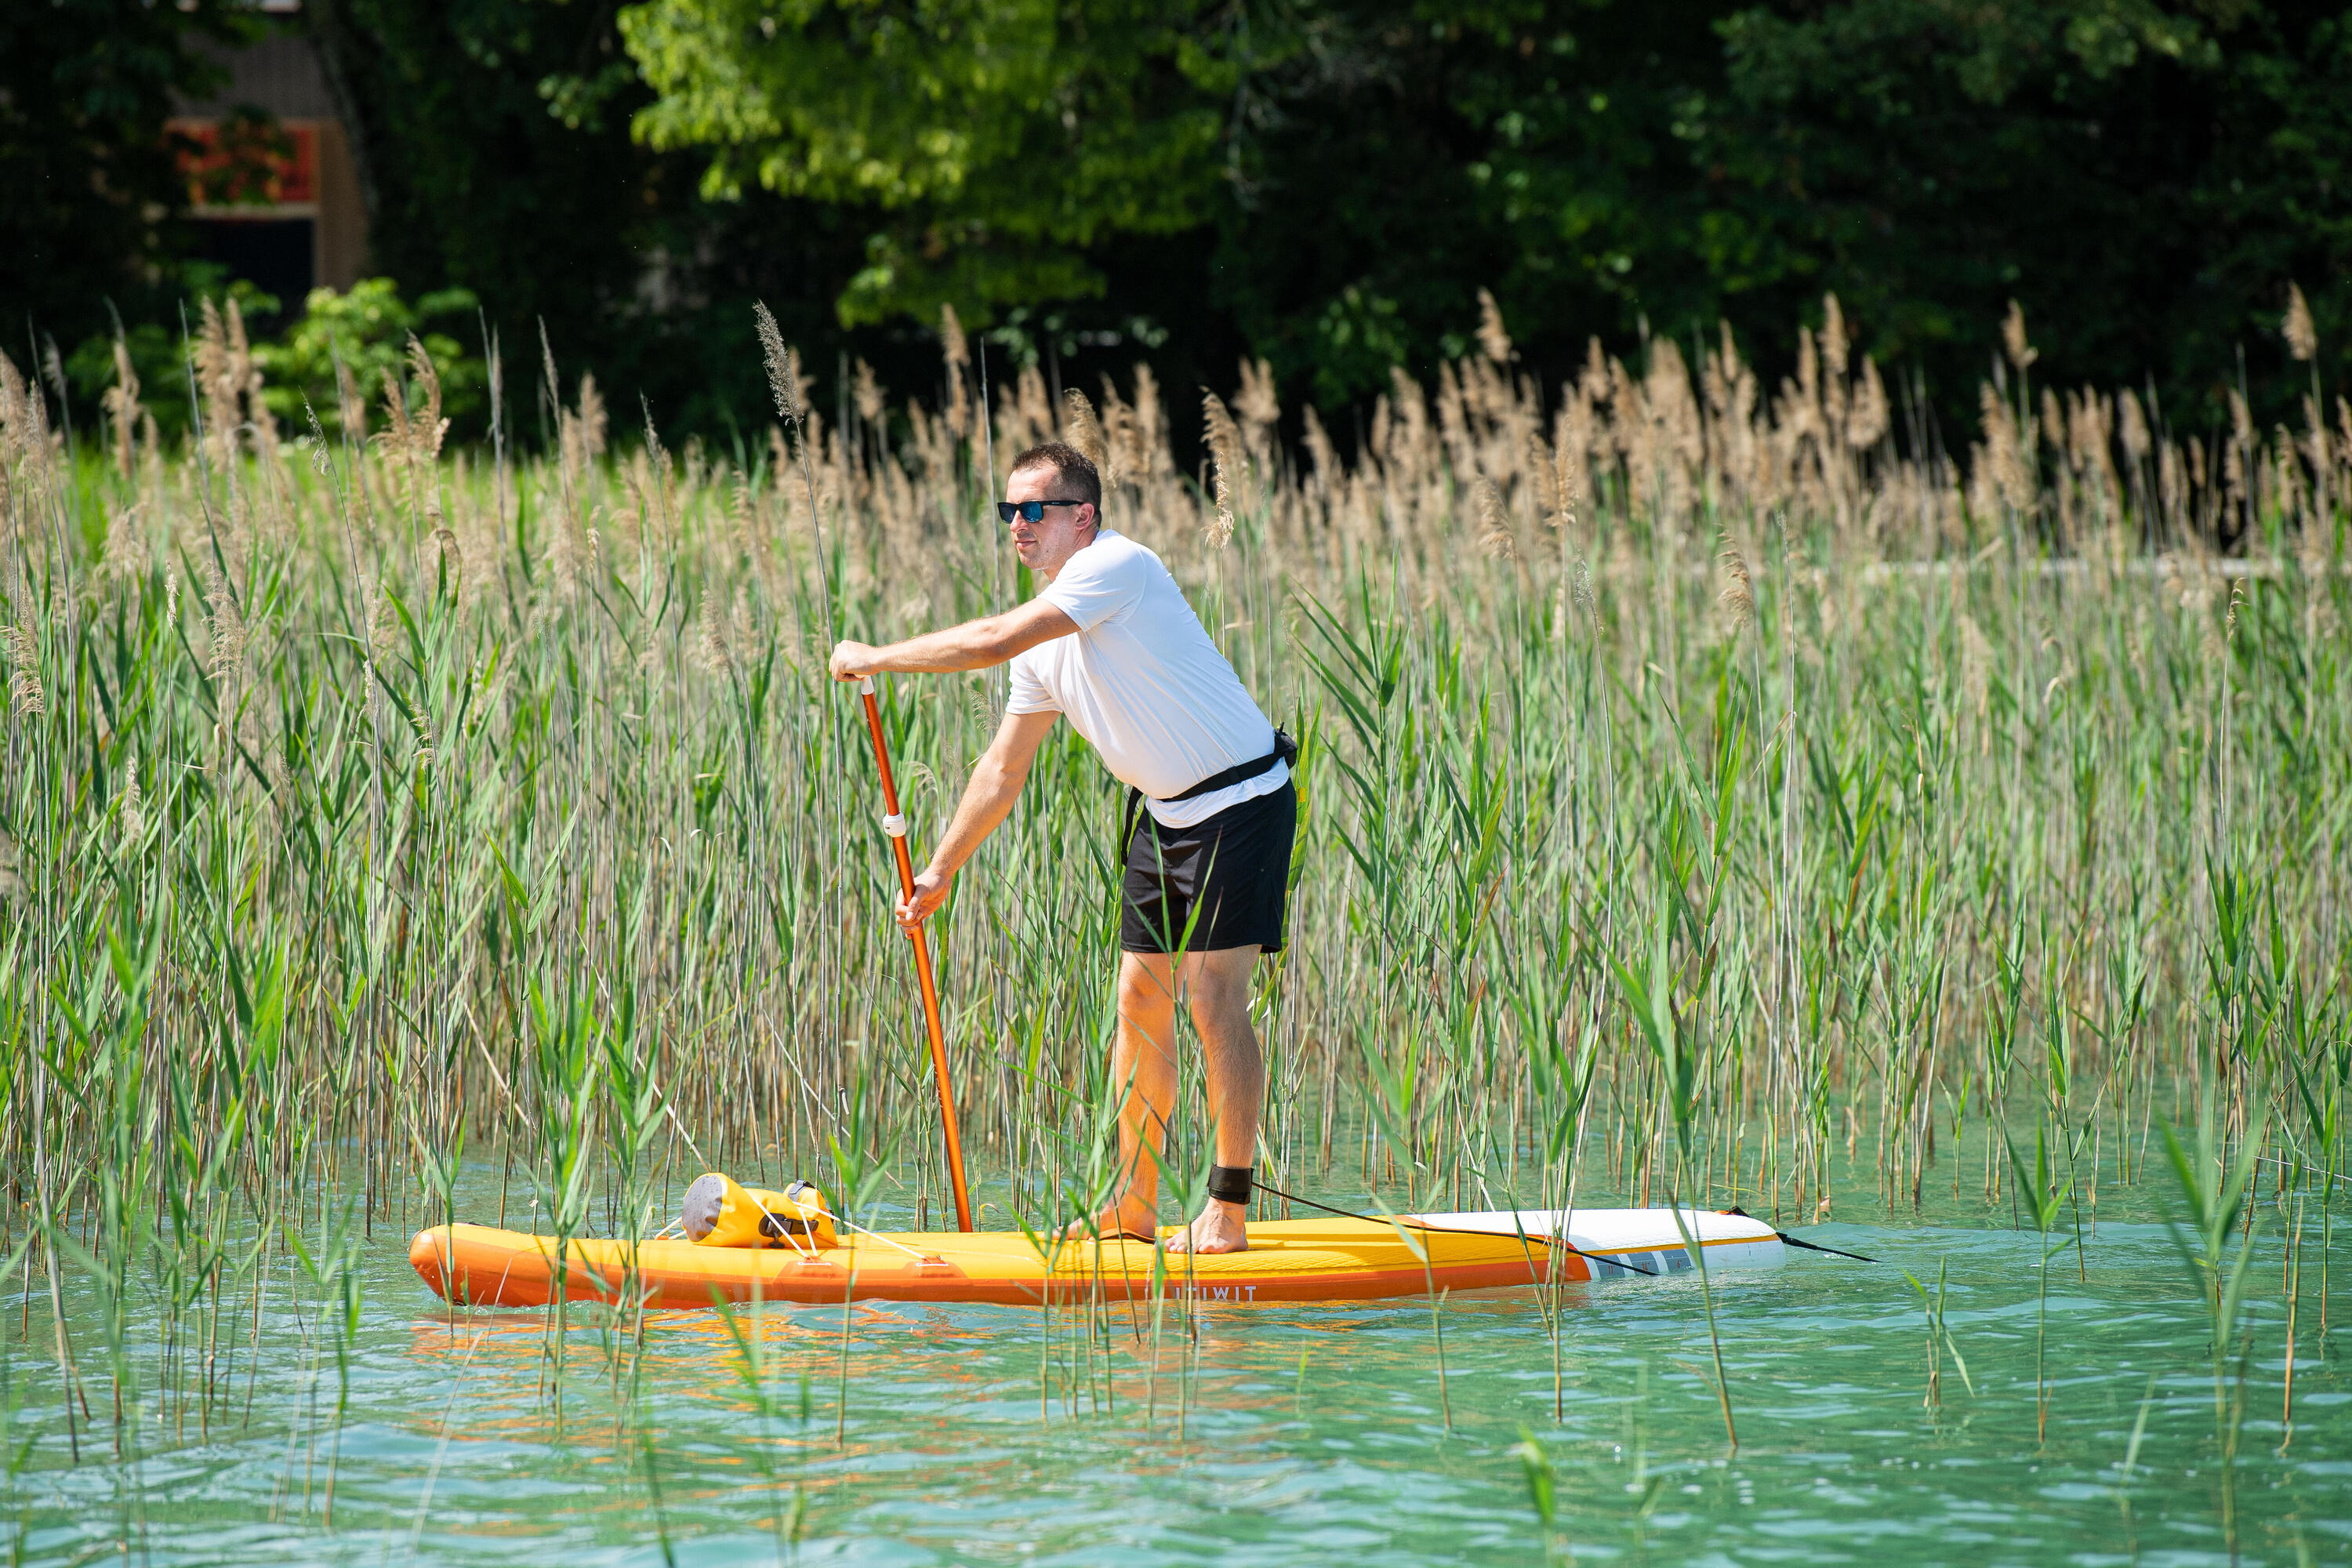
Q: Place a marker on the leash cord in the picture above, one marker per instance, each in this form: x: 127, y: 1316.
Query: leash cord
x: 1817, y: 1246
x: 1809, y: 1246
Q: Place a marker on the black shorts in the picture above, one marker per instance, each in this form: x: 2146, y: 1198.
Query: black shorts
x: 1220, y: 883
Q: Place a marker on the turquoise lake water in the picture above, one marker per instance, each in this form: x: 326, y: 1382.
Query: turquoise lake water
x: 1289, y: 1435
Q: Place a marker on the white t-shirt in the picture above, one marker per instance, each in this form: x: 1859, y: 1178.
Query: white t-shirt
x: 1143, y: 683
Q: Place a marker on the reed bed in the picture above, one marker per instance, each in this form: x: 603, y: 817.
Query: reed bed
x: 1703, y: 784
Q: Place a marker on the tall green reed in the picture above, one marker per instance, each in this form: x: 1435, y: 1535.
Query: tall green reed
x: 1965, y: 792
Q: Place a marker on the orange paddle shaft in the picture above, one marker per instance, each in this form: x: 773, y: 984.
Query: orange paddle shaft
x: 895, y: 825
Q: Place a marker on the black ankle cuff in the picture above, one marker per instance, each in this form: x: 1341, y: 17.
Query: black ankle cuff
x: 1230, y: 1183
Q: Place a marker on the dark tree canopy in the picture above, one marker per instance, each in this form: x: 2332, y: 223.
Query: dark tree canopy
x: 85, y: 88
x: 1326, y: 184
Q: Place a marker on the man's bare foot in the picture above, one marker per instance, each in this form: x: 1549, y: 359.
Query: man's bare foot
x: 1219, y: 1228
x: 1129, y: 1216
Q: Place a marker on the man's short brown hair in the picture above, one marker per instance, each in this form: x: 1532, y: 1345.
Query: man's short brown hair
x: 1072, y: 467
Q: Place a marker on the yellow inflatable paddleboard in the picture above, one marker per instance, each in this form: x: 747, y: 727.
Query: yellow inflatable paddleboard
x: 1331, y: 1260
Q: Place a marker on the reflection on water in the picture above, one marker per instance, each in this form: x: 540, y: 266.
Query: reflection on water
x: 1278, y: 1433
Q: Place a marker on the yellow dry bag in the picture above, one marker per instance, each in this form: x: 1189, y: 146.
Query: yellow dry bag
x: 719, y: 1211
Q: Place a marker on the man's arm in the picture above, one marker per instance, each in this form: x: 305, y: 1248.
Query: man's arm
x: 975, y: 645
x: 996, y: 781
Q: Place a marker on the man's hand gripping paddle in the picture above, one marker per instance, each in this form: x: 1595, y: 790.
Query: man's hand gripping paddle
x: 895, y: 825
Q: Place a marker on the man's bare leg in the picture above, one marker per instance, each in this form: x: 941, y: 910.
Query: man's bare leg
x: 1218, y: 986
x: 1143, y: 1063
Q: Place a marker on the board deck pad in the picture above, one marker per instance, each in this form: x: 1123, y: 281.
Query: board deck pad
x: 1326, y: 1259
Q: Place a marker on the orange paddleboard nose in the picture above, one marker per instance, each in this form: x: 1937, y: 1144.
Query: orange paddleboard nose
x: 428, y: 1253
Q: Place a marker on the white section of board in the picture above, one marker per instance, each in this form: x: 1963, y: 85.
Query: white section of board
x: 1643, y: 1241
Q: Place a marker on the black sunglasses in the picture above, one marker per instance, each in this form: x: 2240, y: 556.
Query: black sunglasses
x: 1029, y: 510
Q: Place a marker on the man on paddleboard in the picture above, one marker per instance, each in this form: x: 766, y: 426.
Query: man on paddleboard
x: 1110, y: 643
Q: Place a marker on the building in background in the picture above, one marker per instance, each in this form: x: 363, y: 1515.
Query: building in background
x: 276, y: 195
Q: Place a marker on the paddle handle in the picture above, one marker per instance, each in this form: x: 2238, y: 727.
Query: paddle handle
x: 895, y: 825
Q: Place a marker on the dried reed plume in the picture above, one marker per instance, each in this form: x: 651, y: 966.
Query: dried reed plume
x: 1737, y: 599
x: 122, y: 407
x: 1259, y: 411
x: 711, y: 641
x: 1226, y: 463
x: 124, y: 555
x: 23, y: 431
x: 2012, y: 338
x: 130, y: 810
x: 592, y: 418
x: 1086, y: 432
x: 957, y: 353
x: 1492, y: 339
x: 784, y: 366
x: 2000, y: 471
x: 431, y: 428
x: 1868, y: 418
x: 1152, y: 428
x: 351, y: 403
x: 1495, y: 524
x: 24, y: 673
x: 2302, y: 337
x: 225, y: 631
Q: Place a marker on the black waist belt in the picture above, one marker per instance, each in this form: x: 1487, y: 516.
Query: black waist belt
x: 1285, y: 750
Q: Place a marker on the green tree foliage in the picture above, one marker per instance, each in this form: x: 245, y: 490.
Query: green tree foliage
x: 2147, y: 178
x: 1335, y: 180
x: 495, y: 148
x: 367, y: 330
x: 1325, y: 183
x: 487, y: 155
x: 998, y: 141
x: 158, y: 352
x: 89, y: 191
x: 1406, y: 155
